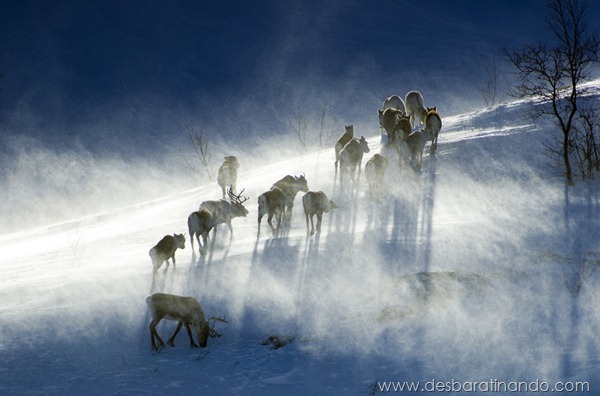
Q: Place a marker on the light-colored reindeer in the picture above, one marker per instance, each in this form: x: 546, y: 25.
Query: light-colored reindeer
x: 351, y: 158
x: 227, y: 175
x: 415, y: 107
x: 201, y: 222
x: 187, y: 312
x: 316, y: 203
x: 165, y: 250
x: 394, y: 102
x: 225, y: 211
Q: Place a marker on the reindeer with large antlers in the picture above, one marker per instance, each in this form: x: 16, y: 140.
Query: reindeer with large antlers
x: 186, y: 311
x: 213, y: 213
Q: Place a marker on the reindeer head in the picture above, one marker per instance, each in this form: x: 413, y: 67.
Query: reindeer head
x: 238, y: 202
x: 349, y: 129
x: 232, y: 161
x: 330, y: 206
x: 302, y: 183
x: 180, y: 240
x: 364, y: 145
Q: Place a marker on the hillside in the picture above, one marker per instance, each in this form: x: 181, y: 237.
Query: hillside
x: 463, y: 272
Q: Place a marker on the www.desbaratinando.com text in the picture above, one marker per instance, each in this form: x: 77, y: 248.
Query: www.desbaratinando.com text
x: 491, y: 386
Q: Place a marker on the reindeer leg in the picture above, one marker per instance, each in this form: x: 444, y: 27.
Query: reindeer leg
x: 312, y: 225
x: 270, y: 221
x: 205, y: 245
x: 172, y: 339
x: 307, y: 227
x: 156, y: 266
x: 199, y: 244
x: 319, y: 220
x: 230, y: 230
x: 189, y: 331
x: 154, y: 334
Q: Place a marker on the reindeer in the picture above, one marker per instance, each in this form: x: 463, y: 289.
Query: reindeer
x: 165, y: 250
x: 416, y: 143
x: 201, y: 222
x: 186, y: 311
x: 339, y: 145
x: 400, y: 131
x: 394, y: 102
x: 415, y: 107
x: 388, y: 120
x: 227, y: 175
x: 374, y: 172
x: 291, y: 185
x: 225, y: 211
x: 351, y: 157
x: 271, y: 203
x: 433, y: 123
x: 316, y: 203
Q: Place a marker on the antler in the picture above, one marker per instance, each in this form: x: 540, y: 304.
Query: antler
x: 237, y: 198
x: 213, y: 333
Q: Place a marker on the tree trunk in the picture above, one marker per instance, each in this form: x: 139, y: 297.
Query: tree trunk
x: 566, y: 160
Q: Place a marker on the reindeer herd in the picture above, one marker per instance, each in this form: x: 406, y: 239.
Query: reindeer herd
x: 398, y: 119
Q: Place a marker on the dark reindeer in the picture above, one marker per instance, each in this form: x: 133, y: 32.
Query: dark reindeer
x: 374, y: 173
x: 342, y: 141
x: 278, y: 202
x: 433, y: 123
x: 165, y: 250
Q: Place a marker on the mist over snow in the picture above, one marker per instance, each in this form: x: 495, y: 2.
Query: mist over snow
x: 480, y: 267
x: 462, y: 272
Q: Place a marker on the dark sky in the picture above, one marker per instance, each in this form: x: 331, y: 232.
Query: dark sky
x: 133, y: 71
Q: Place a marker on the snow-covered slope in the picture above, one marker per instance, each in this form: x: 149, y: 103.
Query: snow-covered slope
x: 463, y: 272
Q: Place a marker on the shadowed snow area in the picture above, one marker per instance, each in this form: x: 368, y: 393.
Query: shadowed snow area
x: 464, y: 271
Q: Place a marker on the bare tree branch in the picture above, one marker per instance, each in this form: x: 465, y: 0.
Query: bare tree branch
x: 325, y: 129
x: 202, y: 150
x: 554, y: 75
x: 299, y: 124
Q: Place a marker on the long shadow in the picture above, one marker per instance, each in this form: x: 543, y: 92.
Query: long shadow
x: 581, y: 218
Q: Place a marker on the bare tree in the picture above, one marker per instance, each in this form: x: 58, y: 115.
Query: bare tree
x: 325, y: 128
x: 555, y: 74
x: 202, y: 151
x: 580, y: 274
x: 299, y: 123
x: 586, y: 144
x: 489, y: 88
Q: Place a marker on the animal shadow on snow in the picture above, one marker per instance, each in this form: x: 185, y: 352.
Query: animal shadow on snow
x: 401, y: 223
x: 219, y: 243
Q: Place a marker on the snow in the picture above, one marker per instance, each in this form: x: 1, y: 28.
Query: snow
x: 460, y: 273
